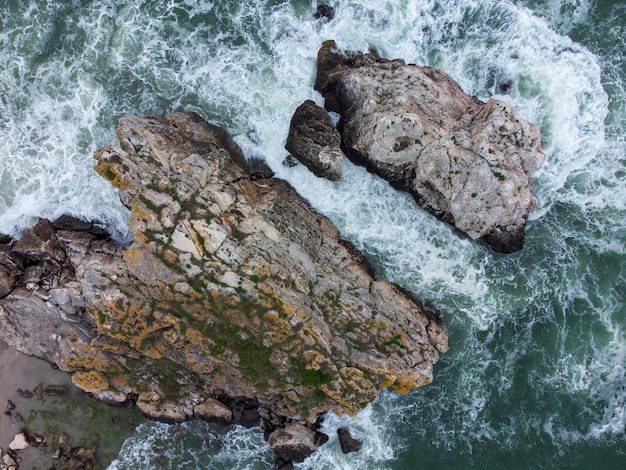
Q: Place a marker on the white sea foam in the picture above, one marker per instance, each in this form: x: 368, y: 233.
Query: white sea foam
x: 543, y: 322
x: 193, y: 445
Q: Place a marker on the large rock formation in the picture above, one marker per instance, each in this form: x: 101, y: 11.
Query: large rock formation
x: 469, y: 163
x: 233, y: 289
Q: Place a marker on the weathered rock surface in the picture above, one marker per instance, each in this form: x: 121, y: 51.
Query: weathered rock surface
x: 233, y: 287
x: 467, y: 162
x: 347, y: 442
x: 315, y: 142
x: 293, y: 443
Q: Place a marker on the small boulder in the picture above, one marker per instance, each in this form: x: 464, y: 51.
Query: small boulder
x: 314, y: 141
x: 19, y: 442
x: 8, y: 461
x: 293, y: 443
x: 11, y: 269
x: 213, y: 410
x: 74, y: 224
x: 347, y: 442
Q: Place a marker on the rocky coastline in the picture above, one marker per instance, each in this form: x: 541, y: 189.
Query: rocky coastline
x: 236, y: 302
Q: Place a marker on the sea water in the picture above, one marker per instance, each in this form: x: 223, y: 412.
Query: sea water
x: 536, y: 372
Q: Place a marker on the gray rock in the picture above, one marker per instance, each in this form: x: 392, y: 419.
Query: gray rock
x: 293, y: 443
x: 19, y: 442
x: 40, y: 243
x: 467, y: 162
x: 315, y: 142
x: 213, y: 410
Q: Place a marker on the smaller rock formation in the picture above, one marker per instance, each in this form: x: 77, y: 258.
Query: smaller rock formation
x: 293, y: 443
x: 324, y: 11
x: 315, y: 142
x: 347, y: 442
x: 467, y: 162
x: 214, y: 411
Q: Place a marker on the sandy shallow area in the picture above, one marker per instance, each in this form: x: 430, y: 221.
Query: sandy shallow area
x: 69, y: 420
x: 18, y: 371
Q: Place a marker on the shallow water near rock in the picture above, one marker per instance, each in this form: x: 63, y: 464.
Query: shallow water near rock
x: 43, y: 402
x: 535, y: 376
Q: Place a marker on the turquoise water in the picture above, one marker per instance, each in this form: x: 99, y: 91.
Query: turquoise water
x: 535, y: 376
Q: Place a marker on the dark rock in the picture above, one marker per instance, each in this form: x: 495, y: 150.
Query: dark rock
x: 315, y: 142
x: 290, y: 161
x: 11, y: 269
x: 504, y: 87
x: 321, y: 438
x: 69, y: 222
x: 54, y: 390
x: 324, y: 11
x: 10, y: 405
x: 83, y: 454
x: 5, y: 239
x: 259, y: 168
x: 245, y: 411
x: 37, y: 440
x: 24, y: 393
x: 347, y: 442
x: 40, y: 243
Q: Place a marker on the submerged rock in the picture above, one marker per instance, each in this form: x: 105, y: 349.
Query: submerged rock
x: 293, y: 443
x: 325, y: 11
x: 467, y: 162
x: 233, y: 287
x: 19, y: 442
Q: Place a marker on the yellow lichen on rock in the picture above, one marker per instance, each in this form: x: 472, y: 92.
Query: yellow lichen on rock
x: 91, y: 381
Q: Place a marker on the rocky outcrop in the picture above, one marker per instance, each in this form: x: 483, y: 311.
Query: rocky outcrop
x: 347, y: 442
x: 234, y: 289
x: 315, y: 142
x: 293, y: 443
x: 467, y: 162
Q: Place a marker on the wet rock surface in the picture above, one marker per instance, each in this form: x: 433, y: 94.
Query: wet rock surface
x: 467, y: 162
x: 315, y: 142
x: 347, y: 442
